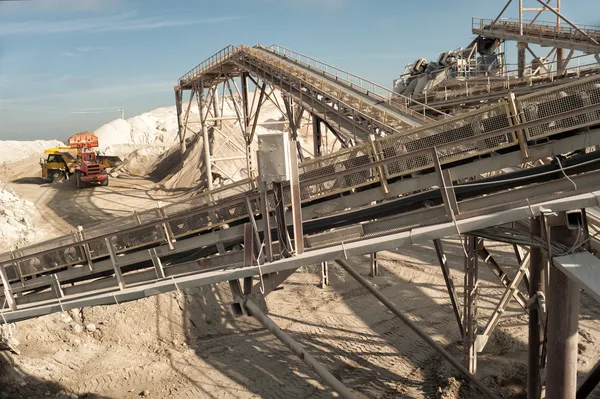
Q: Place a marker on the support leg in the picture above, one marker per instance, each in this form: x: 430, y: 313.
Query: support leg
x: 439, y: 250
x: 299, y: 351
x: 521, y: 59
x: 470, y: 304
x: 179, y: 110
x: 563, y: 320
x: 536, y: 338
x: 374, y: 265
x: 324, y: 274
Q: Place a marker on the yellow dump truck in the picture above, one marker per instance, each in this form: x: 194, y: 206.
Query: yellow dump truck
x: 78, y: 159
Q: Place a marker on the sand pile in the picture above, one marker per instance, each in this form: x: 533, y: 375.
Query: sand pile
x: 13, y: 150
x: 175, y: 171
x: 141, y: 161
x: 149, y: 145
x: 17, y: 220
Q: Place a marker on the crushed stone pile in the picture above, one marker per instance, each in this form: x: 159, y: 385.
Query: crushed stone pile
x: 17, y: 220
x: 14, y: 150
x: 120, y: 137
x: 150, y: 148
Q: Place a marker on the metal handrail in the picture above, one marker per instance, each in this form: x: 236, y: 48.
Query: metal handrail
x: 368, y: 87
x: 373, y: 163
x: 208, y: 63
x: 380, y: 121
x: 550, y: 27
x: 508, y: 80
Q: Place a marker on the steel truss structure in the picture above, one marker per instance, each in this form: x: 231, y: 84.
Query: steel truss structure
x: 570, y: 51
x: 407, y: 174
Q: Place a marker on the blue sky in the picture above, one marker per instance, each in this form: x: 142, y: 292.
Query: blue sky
x: 59, y: 56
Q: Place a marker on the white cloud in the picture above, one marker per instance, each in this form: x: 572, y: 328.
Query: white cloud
x: 129, y: 21
x: 80, y: 51
x: 137, y: 85
x: 58, y: 5
x: 308, y: 3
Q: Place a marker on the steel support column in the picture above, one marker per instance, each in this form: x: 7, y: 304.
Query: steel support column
x: 324, y: 274
x: 521, y: 58
x: 317, y: 136
x: 216, y: 110
x: 296, y: 202
x: 563, y: 320
x: 205, y: 137
x: 179, y: 110
x: 536, y: 337
x: 470, y: 304
x: 374, y: 265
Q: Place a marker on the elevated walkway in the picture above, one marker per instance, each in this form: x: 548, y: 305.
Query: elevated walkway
x: 586, y: 38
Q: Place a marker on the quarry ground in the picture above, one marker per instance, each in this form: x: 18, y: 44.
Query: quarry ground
x: 187, y: 344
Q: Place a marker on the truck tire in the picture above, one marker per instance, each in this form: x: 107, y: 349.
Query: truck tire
x: 78, y: 180
x: 104, y: 182
x: 57, y: 177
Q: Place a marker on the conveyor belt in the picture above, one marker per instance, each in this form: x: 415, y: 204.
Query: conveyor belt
x: 356, y: 113
x: 553, y: 114
x: 145, y: 283
x: 572, y: 166
x: 458, y: 139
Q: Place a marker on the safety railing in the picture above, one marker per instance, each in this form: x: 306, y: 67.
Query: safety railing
x: 367, y: 87
x: 460, y: 88
x: 356, y: 112
x: 547, y: 30
x: 551, y: 102
x: 568, y: 107
x: 207, y: 64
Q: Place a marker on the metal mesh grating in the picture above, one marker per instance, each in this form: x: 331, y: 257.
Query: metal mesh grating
x: 50, y: 261
x: 188, y: 224
x: 46, y: 245
x: 326, y: 175
x: 558, y: 101
x: 462, y: 129
x: 137, y: 238
x: 231, y: 211
x: 97, y: 248
x: 107, y: 228
x: 455, y: 139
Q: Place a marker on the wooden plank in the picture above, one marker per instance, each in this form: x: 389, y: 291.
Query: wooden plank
x: 584, y: 269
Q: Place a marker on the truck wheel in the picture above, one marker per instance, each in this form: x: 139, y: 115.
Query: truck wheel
x: 58, y: 177
x: 104, y: 182
x: 78, y: 180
